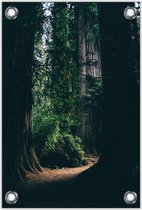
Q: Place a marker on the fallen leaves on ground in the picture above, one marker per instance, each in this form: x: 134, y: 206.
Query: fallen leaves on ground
x: 49, y: 175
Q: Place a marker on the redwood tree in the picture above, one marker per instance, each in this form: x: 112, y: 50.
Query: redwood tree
x: 120, y: 72
x: 89, y: 70
x: 18, y: 44
x: 118, y: 168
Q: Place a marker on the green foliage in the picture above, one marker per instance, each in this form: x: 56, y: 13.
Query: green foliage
x: 56, y: 77
x: 68, y: 152
x: 54, y: 147
x: 73, y: 149
x: 46, y: 132
x: 64, y: 88
x: 94, y: 93
x: 56, y: 88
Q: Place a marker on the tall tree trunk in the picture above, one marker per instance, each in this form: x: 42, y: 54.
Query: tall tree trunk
x: 82, y: 70
x: 18, y: 43
x: 88, y: 58
x: 120, y: 84
x: 117, y: 170
x: 92, y: 69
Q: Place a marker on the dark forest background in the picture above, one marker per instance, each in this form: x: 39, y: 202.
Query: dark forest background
x: 71, y: 89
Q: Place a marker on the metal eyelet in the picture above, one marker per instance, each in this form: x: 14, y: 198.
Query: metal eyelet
x: 130, y: 13
x: 11, y: 13
x: 130, y: 197
x: 11, y: 197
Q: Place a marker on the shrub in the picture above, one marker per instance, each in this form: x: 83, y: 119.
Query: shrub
x: 68, y: 152
x: 46, y: 133
x: 73, y: 150
x: 54, y: 147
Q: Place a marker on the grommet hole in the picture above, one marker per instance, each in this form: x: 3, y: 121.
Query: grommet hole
x: 11, y: 197
x: 130, y: 13
x: 130, y: 197
x: 11, y: 13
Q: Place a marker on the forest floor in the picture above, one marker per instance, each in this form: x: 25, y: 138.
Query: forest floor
x: 55, y: 188
x: 50, y: 175
x: 89, y: 186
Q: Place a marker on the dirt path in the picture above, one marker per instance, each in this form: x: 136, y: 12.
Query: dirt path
x: 63, y: 188
x: 49, y: 175
x: 56, y: 188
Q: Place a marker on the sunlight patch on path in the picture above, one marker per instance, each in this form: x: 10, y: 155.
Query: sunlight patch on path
x: 50, y: 175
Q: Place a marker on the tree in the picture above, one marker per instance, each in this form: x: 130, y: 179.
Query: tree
x: 18, y: 44
x: 89, y: 68
x: 118, y: 167
x: 63, y: 89
x: 120, y: 67
x: 56, y: 85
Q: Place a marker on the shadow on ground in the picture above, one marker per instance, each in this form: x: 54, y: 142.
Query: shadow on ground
x: 92, y: 188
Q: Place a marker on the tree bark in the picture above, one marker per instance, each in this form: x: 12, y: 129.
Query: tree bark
x: 18, y: 43
x: 88, y: 57
x: 120, y: 85
x: 118, y: 167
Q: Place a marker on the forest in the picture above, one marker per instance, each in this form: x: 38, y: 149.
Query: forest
x: 70, y: 98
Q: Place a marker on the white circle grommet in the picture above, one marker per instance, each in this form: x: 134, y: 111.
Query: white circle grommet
x: 11, y: 197
x: 130, y: 13
x: 11, y: 13
x: 130, y: 197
